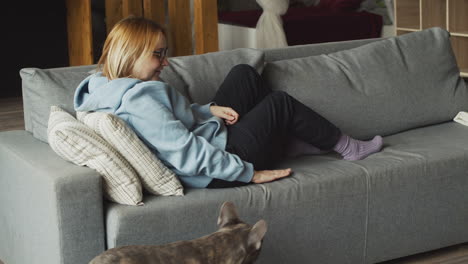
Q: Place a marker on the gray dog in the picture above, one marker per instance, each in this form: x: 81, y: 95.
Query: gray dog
x: 235, y: 243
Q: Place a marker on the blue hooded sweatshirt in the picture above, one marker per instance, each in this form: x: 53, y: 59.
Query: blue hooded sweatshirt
x: 186, y: 137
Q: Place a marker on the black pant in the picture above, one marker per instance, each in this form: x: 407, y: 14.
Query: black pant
x: 267, y: 120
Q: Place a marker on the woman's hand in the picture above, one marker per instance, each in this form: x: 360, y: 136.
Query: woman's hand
x: 270, y: 175
x: 227, y: 113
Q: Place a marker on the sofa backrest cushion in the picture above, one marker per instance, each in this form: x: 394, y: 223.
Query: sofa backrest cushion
x: 43, y: 88
x: 203, y: 74
x: 384, y: 87
x: 299, y: 51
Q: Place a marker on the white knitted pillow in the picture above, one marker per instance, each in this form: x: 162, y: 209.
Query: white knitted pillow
x: 77, y: 143
x: 155, y: 177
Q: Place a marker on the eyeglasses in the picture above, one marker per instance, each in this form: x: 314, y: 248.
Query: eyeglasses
x: 161, y: 53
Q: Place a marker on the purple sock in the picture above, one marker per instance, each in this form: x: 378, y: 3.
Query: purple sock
x: 298, y: 147
x: 353, y: 149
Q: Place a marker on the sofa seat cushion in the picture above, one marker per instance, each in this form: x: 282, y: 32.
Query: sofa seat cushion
x: 418, y: 189
x: 417, y: 182
x: 323, y: 204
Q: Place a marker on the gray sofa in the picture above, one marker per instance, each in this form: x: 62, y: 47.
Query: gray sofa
x: 407, y: 199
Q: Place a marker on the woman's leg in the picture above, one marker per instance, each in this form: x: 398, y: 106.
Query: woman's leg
x: 217, y: 183
x: 260, y: 137
x: 268, y: 120
x: 242, y: 89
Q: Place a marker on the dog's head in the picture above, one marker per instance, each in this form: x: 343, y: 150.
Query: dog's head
x: 249, y: 238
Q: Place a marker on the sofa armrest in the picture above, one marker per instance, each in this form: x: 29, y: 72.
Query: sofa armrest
x: 51, y: 211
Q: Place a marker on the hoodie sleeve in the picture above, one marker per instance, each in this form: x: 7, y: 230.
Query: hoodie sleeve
x: 188, y: 153
x: 203, y: 110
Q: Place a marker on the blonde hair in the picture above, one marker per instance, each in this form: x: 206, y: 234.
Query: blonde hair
x: 130, y: 40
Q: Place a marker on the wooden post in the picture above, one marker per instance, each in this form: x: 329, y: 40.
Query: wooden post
x: 80, y: 34
x: 79, y: 23
x: 113, y: 13
x: 206, y: 26
x: 116, y: 10
x: 180, y: 28
x: 132, y: 7
x: 154, y: 10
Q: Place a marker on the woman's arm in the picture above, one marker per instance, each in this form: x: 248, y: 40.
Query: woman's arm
x: 270, y: 175
x: 189, y: 154
x: 229, y: 115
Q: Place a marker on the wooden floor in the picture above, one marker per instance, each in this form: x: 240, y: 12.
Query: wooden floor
x: 11, y: 118
x: 451, y: 255
x: 11, y: 114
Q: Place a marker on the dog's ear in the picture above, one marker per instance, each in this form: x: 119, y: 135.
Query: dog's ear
x: 256, y: 234
x: 228, y: 215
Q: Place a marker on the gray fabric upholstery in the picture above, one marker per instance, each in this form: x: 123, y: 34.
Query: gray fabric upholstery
x: 381, y: 88
x: 51, y: 209
x: 299, y: 51
x: 418, y: 192
x: 318, y: 214
x: 44, y: 88
x: 203, y: 74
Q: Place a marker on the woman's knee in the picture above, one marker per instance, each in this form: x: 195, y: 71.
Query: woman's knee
x: 243, y: 69
x: 280, y: 95
x: 281, y: 99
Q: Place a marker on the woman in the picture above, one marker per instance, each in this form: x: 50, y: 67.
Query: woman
x: 229, y: 142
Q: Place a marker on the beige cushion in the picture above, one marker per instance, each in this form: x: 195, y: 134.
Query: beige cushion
x: 77, y: 143
x: 155, y: 177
